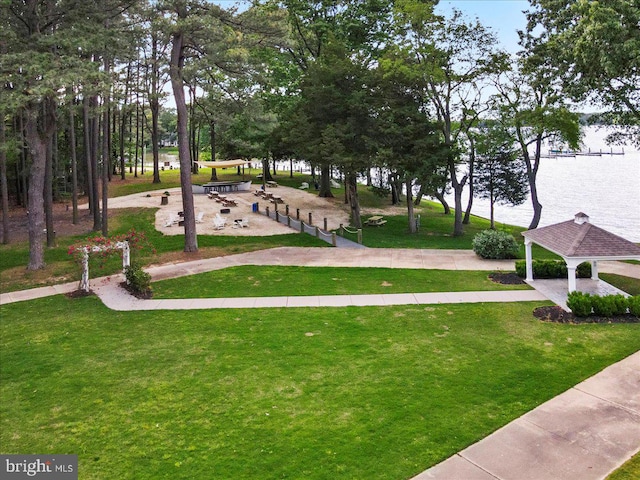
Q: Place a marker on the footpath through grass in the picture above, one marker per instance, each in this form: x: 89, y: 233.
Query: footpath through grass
x: 271, y: 281
x: 375, y: 392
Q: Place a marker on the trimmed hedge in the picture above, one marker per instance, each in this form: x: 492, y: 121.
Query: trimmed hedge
x: 552, y: 269
x: 495, y: 244
x: 583, y: 304
x: 579, y: 303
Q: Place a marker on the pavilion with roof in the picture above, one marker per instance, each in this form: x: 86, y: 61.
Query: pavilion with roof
x: 578, y: 241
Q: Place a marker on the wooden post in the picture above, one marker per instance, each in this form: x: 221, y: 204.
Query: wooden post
x: 297, y: 214
x: 267, y: 211
x: 301, y: 226
x: 288, y: 221
x: 310, y: 219
x: 317, y: 232
x: 286, y: 209
x: 341, y: 229
x: 333, y: 239
x: 325, y: 224
x: 360, y: 236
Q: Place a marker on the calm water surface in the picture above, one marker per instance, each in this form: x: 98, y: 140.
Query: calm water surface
x: 606, y: 188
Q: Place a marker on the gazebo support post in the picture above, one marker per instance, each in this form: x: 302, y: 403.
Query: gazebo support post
x: 571, y: 273
x: 529, y: 259
x: 594, y: 270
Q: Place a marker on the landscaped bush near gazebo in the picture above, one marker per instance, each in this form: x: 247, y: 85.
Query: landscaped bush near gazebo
x: 584, y: 304
x: 552, y: 269
x: 495, y: 244
x: 579, y: 303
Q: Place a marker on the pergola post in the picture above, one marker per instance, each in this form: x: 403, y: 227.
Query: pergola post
x: 529, y: 259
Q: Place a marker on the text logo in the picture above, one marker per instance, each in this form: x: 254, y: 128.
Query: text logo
x: 49, y: 467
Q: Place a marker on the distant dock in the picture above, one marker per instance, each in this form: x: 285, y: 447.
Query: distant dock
x: 553, y: 153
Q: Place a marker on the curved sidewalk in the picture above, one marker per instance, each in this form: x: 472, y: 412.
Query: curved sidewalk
x: 319, y: 257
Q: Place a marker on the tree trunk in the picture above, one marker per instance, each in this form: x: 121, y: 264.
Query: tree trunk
x: 123, y: 121
x: 419, y: 196
x: 4, y: 190
x: 105, y: 159
x: 410, y: 212
x: 532, y: 173
x: 48, y: 195
x: 95, y: 172
x: 440, y: 197
x: 74, y: 157
x: 458, y: 186
x: 354, y: 204
x: 22, y: 170
x: 212, y: 140
x: 325, y: 182
x: 87, y: 151
x: 177, y: 84
x: 154, y: 106
x: 472, y: 159
x: 37, y: 136
x: 491, y: 209
x: 395, y: 195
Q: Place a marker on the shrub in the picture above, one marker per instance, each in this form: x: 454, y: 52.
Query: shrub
x: 495, y: 244
x: 552, y: 269
x: 137, y: 279
x: 620, y: 304
x: 603, y: 306
x: 579, y: 303
x: 634, y: 305
x: 584, y: 270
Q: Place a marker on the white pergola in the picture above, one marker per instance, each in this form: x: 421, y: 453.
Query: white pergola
x: 578, y: 241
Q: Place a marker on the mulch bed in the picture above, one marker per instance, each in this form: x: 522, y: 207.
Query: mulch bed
x: 141, y: 295
x: 556, y: 314
x: 79, y: 294
x: 508, y: 278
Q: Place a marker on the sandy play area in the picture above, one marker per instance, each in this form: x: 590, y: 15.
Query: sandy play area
x: 259, y: 225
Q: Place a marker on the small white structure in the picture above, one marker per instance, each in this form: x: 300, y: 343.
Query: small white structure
x: 126, y: 259
x: 578, y: 241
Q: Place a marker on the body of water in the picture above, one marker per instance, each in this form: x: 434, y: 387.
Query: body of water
x: 607, y: 188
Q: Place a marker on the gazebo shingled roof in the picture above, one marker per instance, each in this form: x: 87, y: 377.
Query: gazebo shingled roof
x: 578, y: 241
x: 582, y: 239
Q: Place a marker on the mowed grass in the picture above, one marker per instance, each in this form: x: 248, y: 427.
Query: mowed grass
x: 375, y: 392
x: 270, y: 281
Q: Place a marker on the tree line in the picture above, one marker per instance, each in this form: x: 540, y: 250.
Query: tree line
x: 430, y: 104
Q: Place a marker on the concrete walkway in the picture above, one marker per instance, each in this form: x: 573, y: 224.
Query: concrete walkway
x: 585, y: 433
x: 297, y: 256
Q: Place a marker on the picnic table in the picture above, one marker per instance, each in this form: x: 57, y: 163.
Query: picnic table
x: 273, y: 184
x: 376, y: 221
x: 276, y: 199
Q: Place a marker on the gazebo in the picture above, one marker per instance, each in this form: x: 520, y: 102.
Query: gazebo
x: 578, y: 241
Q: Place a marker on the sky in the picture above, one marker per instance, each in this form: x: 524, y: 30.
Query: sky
x: 504, y: 17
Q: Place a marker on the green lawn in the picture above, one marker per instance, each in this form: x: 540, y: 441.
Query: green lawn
x: 375, y: 392
x: 270, y: 281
